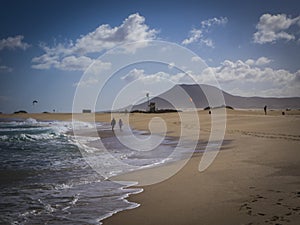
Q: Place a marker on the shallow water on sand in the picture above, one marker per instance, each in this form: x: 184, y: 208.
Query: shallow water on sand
x: 44, y: 179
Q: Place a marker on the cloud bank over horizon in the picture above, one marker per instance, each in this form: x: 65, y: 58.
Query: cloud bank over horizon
x: 233, y: 77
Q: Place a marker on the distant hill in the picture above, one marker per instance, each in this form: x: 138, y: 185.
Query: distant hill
x: 196, y: 94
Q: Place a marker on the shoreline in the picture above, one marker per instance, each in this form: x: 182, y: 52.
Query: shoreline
x: 256, y: 180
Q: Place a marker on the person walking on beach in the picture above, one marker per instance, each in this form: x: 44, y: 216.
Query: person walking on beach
x: 120, y: 124
x: 265, y: 109
x: 113, y: 123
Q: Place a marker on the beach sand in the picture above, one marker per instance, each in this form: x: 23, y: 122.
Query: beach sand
x: 253, y: 180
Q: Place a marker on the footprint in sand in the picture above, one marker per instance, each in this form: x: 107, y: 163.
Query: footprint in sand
x: 288, y: 137
x: 286, y: 204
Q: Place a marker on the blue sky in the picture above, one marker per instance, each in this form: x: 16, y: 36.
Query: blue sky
x: 252, y: 47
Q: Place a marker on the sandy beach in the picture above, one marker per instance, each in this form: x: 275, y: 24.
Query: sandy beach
x: 253, y: 180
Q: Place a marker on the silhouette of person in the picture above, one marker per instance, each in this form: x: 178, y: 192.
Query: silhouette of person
x: 265, y: 109
x: 113, y: 123
x: 120, y: 124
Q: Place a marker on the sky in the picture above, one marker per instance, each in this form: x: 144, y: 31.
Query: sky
x: 52, y: 50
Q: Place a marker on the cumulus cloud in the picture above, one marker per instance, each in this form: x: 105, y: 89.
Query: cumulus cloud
x: 74, y: 53
x: 70, y: 63
x: 252, y: 77
x: 230, y: 71
x: 208, y: 42
x: 13, y: 43
x: 199, y: 35
x: 134, y: 75
x: 259, y: 62
x: 46, y: 61
x: 214, y: 21
x: 196, y: 59
x: 272, y: 28
x: 139, y: 74
x: 133, y: 29
x: 194, y: 36
x: 86, y: 83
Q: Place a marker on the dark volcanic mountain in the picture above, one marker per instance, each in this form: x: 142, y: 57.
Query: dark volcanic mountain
x: 183, y: 96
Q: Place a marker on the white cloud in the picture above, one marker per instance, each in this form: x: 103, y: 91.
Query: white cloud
x: 262, y: 61
x: 253, y: 77
x: 133, y: 29
x: 72, y: 63
x: 259, y: 62
x: 13, y: 43
x: 69, y: 63
x: 208, y: 42
x: 272, y: 28
x: 4, y: 69
x: 250, y: 62
x: 64, y: 56
x: 94, y: 71
x: 99, y: 66
x: 86, y: 83
x: 139, y: 74
x: 194, y: 36
x: 49, y: 59
x: 196, y: 59
x: 214, y: 21
x: 133, y: 75
x: 199, y: 35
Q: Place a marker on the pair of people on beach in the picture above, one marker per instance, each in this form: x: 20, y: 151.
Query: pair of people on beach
x: 113, y: 123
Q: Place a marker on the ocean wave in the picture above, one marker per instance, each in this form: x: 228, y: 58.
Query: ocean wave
x: 31, y: 121
x: 32, y: 130
x: 23, y: 137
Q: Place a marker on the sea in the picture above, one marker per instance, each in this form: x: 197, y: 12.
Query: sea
x: 44, y: 178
